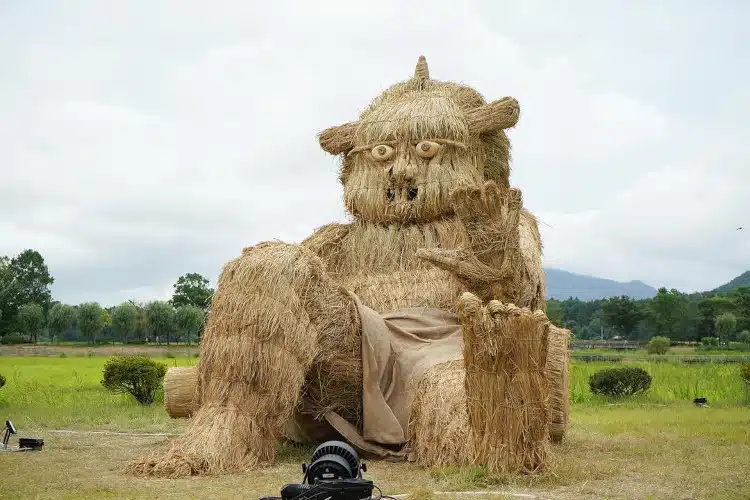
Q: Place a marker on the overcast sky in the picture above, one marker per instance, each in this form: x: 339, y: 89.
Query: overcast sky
x: 142, y: 140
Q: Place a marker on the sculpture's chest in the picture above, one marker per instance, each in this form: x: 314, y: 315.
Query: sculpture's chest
x: 378, y: 263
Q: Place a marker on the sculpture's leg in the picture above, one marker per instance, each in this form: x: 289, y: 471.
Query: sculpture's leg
x: 262, y: 335
x: 507, y: 386
x: 439, y: 432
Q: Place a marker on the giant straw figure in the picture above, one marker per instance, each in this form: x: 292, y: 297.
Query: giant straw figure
x: 416, y: 331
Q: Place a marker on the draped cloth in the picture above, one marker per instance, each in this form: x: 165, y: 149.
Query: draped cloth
x: 397, y: 350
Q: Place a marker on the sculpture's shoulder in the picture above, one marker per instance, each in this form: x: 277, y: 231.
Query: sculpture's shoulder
x: 326, y: 240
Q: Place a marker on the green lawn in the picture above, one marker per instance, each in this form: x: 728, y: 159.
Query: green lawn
x: 657, y: 445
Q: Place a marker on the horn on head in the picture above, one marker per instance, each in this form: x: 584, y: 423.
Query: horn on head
x: 422, y: 72
x: 497, y: 115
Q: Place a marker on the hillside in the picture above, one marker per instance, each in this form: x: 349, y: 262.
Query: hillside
x: 741, y: 280
x: 563, y: 284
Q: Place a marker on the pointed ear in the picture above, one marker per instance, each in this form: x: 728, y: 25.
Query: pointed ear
x: 338, y: 140
x: 494, y: 116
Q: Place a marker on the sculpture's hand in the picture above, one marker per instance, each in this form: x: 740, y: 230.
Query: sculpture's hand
x: 491, y: 216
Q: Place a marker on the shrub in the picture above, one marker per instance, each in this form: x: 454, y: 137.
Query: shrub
x: 745, y: 372
x: 13, y: 338
x: 136, y: 375
x: 710, y: 341
x: 620, y: 381
x: 2, y: 381
x: 744, y: 336
x: 658, y: 345
x: 737, y: 347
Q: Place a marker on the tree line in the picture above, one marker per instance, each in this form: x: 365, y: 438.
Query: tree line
x: 671, y: 313
x: 28, y: 312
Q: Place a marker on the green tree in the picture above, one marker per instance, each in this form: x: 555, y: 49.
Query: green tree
x: 160, y: 319
x: 90, y: 322
x: 31, y: 320
x: 555, y: 312
x: 125, y: 321
x: 658, y: 345
x: 741, y: 298
x: 60, y: 318
x: 726, y: 325
x: 8, y: 293
x: 709, y: 308
x: 33, y: 278
x: 665, y: 313
x: 622, y: 313
x: 189, y: 320
x: 192, y: 289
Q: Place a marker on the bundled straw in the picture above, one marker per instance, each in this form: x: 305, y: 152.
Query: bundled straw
x: 557, y: 368
x: 505, y: 352
x: 439, y: 424
x: 258, y: 344
x: 180, y: 384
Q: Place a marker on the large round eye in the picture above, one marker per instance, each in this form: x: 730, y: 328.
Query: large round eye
x: 427, y: 149
x: 382, y: 152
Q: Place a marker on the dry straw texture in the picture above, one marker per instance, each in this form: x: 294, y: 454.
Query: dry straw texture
x: 505, y: 353
x: 557, y: 369
x: 259, y: 343
x: 180, y: 384
x: 439, y: 424
x: 282, y: 343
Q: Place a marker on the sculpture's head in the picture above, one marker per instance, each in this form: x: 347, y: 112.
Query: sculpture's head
x: 415, y: 144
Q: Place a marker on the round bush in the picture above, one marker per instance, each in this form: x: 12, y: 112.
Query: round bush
x: 658, y: 345
x: 710, y: 341
x: 137, y: 375
x: 620, y: 381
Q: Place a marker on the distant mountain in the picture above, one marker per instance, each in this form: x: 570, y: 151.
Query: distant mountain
x: 741, y: 280
x: 563, y: 284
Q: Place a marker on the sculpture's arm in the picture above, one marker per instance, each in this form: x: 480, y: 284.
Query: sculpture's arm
x: 325, y: 241
x: 503, y: 258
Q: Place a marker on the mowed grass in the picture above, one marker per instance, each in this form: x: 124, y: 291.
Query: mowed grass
x: 657, y: 445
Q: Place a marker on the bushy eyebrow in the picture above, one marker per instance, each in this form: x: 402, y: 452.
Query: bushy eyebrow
x: 444, y: 142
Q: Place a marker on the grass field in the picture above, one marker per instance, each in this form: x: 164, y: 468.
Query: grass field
x: 653, y: 446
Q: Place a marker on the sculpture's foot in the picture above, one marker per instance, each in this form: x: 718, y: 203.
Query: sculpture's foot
x: 220, y: 440
x: 507, y: 387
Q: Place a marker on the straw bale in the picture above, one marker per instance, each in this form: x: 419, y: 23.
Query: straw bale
x: 505, y: 355
x: 180, y: 384
x: 557, y: 368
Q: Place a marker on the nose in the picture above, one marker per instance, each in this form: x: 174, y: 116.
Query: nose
x: 402, y: 172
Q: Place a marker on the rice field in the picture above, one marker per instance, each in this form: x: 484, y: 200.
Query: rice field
x: 656, y: 445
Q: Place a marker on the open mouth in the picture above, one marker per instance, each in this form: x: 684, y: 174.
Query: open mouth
x: 403, y: 194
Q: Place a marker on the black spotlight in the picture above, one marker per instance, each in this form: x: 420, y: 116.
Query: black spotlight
x: 9, y: 429
x: 335, y: 473
x: 24, y: 444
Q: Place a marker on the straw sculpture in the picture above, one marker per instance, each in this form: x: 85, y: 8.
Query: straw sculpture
x: 416, y: 330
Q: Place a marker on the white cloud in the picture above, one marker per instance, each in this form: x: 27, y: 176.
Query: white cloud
x: 145, y: 140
